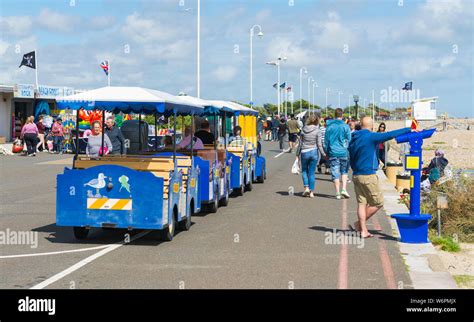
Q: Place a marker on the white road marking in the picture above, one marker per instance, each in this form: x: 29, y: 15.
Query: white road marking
x: 276, y: 156
x: 55, y: 253
x: 84, y: 262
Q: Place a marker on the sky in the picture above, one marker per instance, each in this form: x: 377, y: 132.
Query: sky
x: 348, y: 46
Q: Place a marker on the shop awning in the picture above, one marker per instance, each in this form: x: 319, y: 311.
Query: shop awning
x: 130, y: 100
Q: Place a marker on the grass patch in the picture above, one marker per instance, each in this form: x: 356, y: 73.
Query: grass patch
x: 464, y: 280
x: 447, y: 243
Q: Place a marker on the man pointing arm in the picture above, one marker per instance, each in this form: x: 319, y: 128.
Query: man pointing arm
x: 364, y: 164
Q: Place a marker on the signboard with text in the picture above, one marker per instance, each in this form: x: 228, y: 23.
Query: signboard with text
x: 24, y: 91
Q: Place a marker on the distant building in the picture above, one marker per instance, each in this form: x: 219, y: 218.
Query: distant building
x: 424, y: 109
x: 18, y: 101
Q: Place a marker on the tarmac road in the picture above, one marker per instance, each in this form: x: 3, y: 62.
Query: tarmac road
x: 265, y: 239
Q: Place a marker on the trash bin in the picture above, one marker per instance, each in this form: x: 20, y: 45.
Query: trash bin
x: 392, y: 170
x: 403, y: 182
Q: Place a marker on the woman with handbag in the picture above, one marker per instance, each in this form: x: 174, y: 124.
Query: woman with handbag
x: 311, y: 142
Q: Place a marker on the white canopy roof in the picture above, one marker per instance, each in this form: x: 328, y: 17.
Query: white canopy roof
x: 130, y: 99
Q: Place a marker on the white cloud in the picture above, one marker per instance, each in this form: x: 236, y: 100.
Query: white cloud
x: 101, y: 22
x: 144, y: 30
x: 297, y: 55
x: 3, y: 46
x: 55, y: 21
x: 15, y: 25
x: 426, y: 66
x: 332, y: 34
x: 225, y: 73
x: 446, y: 61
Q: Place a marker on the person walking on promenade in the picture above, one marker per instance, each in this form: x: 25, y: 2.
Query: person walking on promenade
x: 275, y: 124
x: 29, y: 133
x: 115, y: 136
x: 311, y: 141
x: 293, y: 131
x: 364, y: 163
x: 381, y: 150
x: 268, y: 129
x: 58, y: 134
x: 282, y: 133
x: 323, y: 161
x: 41, y: 134
x: 336, y: 142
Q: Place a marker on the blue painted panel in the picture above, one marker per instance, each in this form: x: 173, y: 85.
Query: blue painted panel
x: 260, y: 164
x: 203, y: 178
x: 142, y: 193
x: 235, y: 174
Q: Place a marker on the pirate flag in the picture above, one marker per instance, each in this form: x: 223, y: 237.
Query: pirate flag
x: 29, y: 60
x: 408, y: 86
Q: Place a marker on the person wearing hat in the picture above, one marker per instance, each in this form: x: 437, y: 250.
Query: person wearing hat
x: 437, y: 166
x: 58, y: 136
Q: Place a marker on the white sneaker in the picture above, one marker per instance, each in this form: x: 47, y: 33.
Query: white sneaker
x: 311, y: 194
x: 345, y: 194
x: 306, y: 192
x: 338, y: 196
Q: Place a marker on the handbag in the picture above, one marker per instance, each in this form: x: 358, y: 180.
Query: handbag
x: 300, y: 144
x: 295, y: 169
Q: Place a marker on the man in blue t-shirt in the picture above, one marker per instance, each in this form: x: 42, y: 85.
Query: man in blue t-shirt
x: 336, y: 142
x: 364, y: 163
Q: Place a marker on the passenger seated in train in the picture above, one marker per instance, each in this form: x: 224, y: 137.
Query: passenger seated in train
x: 168, y: 142
x: 205, y: 133
x: 236, y: 139
x: 185, y: 143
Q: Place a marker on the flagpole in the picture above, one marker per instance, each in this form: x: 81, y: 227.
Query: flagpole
x: 108, y: 76
x: 36, y: 70
x: 373, y: 110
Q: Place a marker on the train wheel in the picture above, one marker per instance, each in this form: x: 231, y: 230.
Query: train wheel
x: 214, y: 205
x: 80, y: 232
x: 186, y: 224
x: 248, y: 186
x: 241, y: 190
x: 167, y: 234
x: 225, y: 201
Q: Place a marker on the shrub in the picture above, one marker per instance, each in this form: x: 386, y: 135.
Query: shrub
x: 458, y: 219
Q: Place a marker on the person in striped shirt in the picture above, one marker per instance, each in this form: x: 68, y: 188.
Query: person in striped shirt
x: 323, y: 161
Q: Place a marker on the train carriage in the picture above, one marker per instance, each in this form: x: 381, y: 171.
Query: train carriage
x: 134, y: 191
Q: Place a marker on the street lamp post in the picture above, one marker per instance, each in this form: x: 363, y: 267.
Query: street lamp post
x: 198, y: 49
x: 327, y: 90
x: 277, y: 64
x: 356, y: 100
x: 305, y: 70
x: 310, y: 80
x: 373, y: 110
x: 260, y: 35
x: 315, y: 85
x: 349, y: 105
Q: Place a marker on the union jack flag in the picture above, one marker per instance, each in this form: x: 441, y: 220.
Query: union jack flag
x: 105, y: 66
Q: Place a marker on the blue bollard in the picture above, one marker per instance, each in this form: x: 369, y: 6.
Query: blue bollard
x: 413, y: 227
